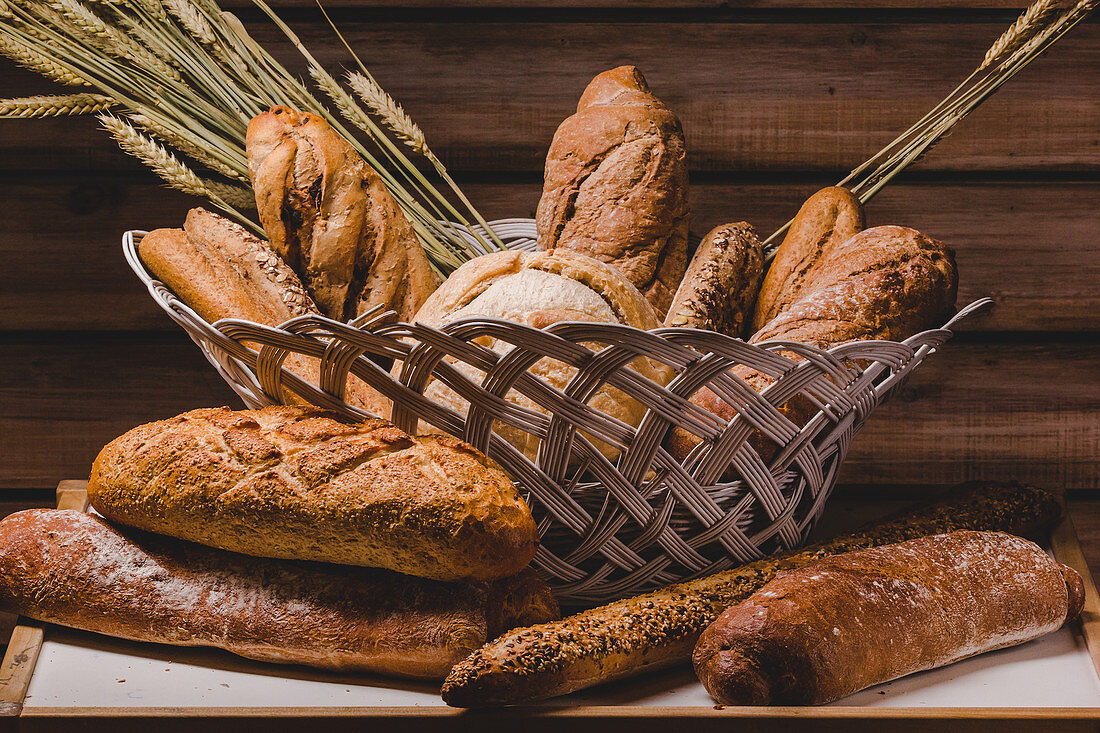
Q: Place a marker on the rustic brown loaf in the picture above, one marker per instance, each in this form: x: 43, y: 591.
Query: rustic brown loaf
x: 660, y: 629
x: 828, y: 218
x: 331, y: 218
x: 289, y: 482
x: 221, y: 270
x: 844, y: 623
x: 70, y: 568
x: 615, y: 185
x: 888, y: 283
x: 721, y: 282
x: 540, y: 289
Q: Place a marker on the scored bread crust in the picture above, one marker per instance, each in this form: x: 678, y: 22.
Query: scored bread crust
x: 659, y: 629
x: 330, y: 216
x: 221, y: 270
x: 828, y: 218
x: 74, y: 569
x: 289, y: 482
x: 844, y: 623
x: 539, y: 289
x: 615, y: 185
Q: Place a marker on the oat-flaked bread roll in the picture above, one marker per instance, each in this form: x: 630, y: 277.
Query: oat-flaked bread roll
x: 540, y: 289
x: 844, y: 623
x: 615, y: 185
x: 288, y: 482
x: 329, y: 215
x: 721, y: 282
x: 74, y: 569
x: 221, y: 270
x: 659, y: 629
x: 828, y: 218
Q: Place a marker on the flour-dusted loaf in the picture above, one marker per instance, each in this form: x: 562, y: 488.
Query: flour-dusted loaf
x: 659, y: 629
x: 540, y: 289
x: 615, y: 185
x: 73, y: 569
x: 290, y: 482
x: 844, y: 623
x: 330, y: 216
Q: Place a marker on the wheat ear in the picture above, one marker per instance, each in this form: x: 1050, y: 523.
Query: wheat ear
x: 188, y: 148
x: 1020, y: 32
x: 192, y: 21
x: 28, y: 58
x: 172, y: 171
x: 55, y: 106
x: 389, y: 111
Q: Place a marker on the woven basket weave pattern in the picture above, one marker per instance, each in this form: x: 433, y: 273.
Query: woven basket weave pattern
x: 608, y: 528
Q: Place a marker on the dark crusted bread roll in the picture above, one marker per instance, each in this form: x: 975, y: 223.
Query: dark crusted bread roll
x: 289, y: 482
x: 73, y: 569
x: 615, y: 185
x: 659, y: 629
x: 844, y: 623
x: 330, y: 216
x: 721, y: 282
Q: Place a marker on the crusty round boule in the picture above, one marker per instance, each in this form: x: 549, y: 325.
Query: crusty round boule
x: 540, y: 289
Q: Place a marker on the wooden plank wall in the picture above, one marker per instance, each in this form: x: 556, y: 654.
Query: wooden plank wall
x: 776, y: 98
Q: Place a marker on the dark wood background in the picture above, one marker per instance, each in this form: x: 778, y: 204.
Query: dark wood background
x: 777, y: 98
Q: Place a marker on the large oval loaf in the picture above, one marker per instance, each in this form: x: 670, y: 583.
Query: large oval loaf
x: 74, y: 569
x: 290, y: 482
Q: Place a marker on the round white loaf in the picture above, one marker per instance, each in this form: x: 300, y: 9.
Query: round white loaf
x: 539, y: 289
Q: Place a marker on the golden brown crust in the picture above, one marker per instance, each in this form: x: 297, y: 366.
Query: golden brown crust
x: 70, y: 568
x: 288, y: 482
x: 888, y: 282
x: 539, y: 289
x: 721, y: 282
x: 221, y: 270
x: 829, y: 217
x: 330, y: 216
x: 660, y: 629
x: 615, y: 185
x: 844, y: 623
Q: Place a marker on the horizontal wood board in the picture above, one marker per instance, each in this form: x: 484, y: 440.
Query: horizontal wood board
x: 760, y: 95
x: 776, y: 97
x: 1031, y: 246
x: 975, y: 410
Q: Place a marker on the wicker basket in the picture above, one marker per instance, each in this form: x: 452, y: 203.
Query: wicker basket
x: 608, y: 529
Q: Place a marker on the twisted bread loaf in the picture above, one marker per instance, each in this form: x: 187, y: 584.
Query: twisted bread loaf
x: 289, y: 482
x: 615, y: 185
x: 840, y: 624
x: 660, y: 629
x: 330, y: 216
x: 71, y: 568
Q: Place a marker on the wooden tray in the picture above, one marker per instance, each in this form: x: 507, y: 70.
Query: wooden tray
x: 85, y: 681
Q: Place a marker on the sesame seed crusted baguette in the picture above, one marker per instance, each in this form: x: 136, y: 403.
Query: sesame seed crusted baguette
x: 660, y: 629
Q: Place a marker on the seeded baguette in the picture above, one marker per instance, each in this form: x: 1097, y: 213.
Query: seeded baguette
x: 659, y: 629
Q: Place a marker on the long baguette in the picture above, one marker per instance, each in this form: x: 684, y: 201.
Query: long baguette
x: 74, y: 569
x: 660, y: 629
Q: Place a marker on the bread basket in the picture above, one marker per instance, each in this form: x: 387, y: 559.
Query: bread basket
x: 608, y: 529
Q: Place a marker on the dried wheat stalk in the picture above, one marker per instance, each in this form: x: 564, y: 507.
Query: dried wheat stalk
x: 28, y: 58
x: 1019, y: 32
x: 55, y: 106
x: 389, y: 111
x: 188, y: 148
